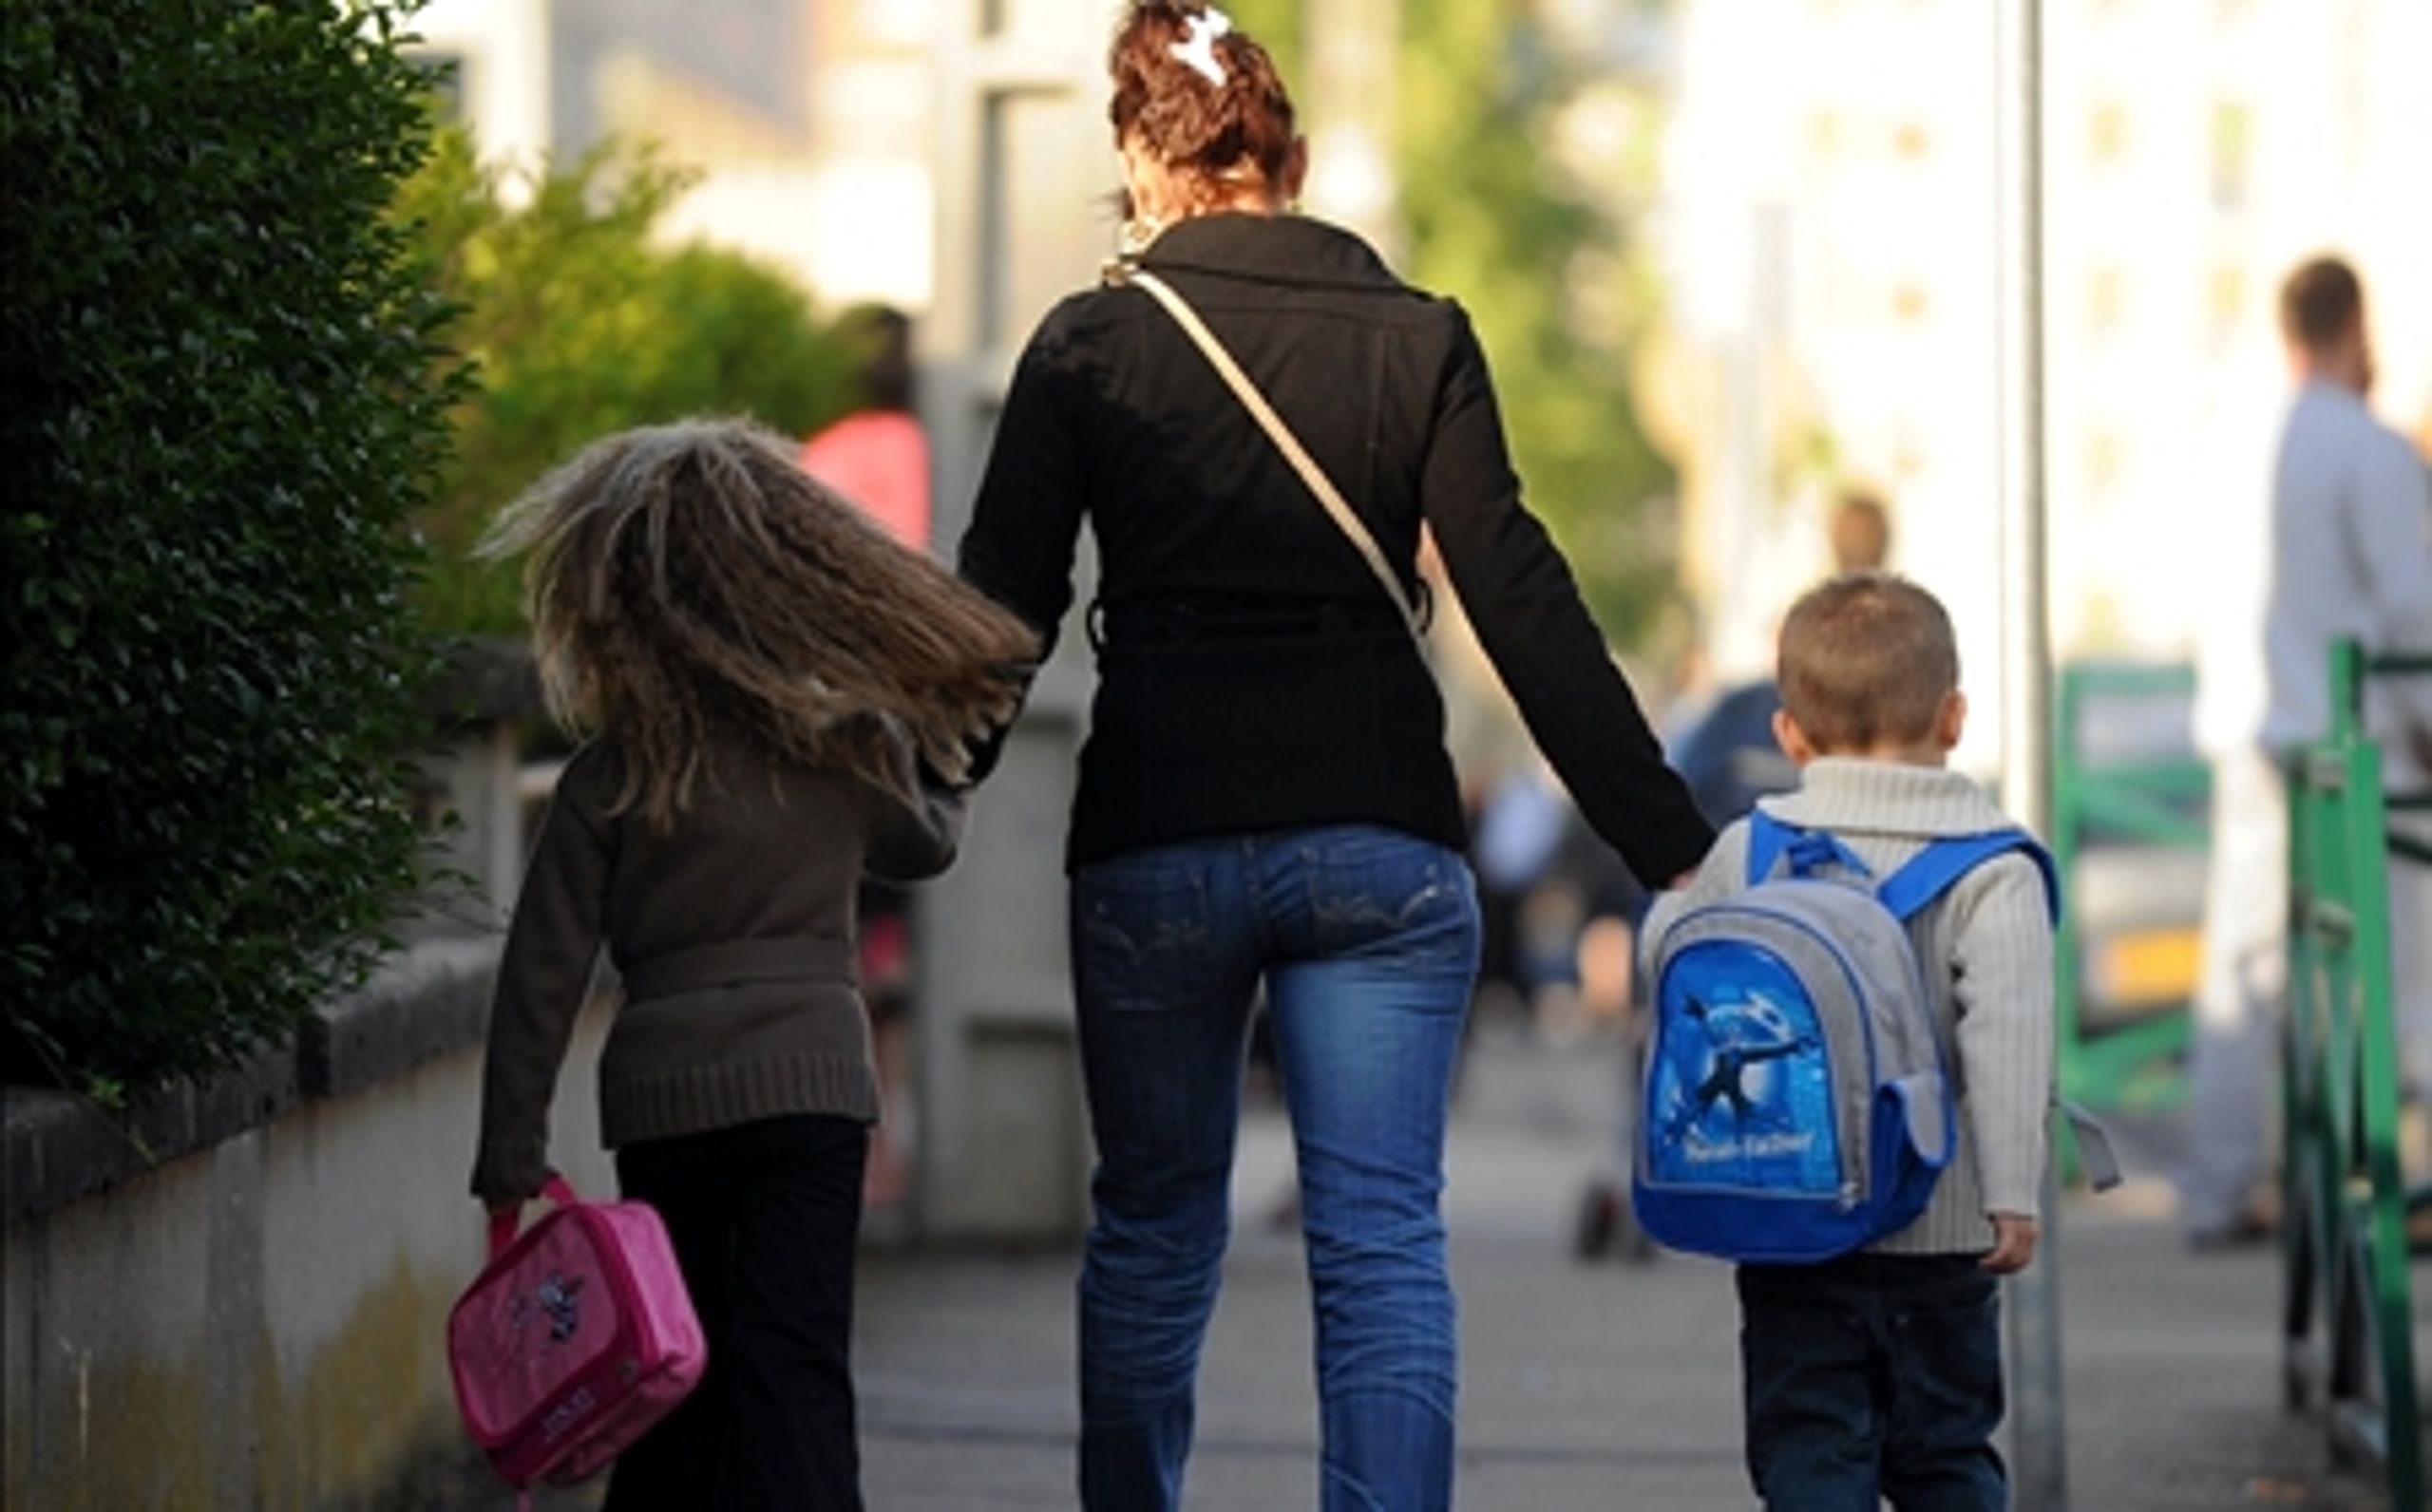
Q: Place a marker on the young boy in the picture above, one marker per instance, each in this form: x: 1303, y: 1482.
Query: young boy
x: 1879, y: 1374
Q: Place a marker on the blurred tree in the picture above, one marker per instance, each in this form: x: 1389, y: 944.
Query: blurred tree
x: 1492, y: 217
x: 1490, y: 220
x: 1276, y: 24
x: 577, y: 323
x: 219, y: 411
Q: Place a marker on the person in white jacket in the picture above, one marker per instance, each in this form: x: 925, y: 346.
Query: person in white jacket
x: 2349, y: 557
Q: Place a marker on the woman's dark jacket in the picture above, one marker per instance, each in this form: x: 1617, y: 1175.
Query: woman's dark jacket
x: 1253, y: 675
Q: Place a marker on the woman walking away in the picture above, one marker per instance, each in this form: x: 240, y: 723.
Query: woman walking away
x: 777, y: 694
x: 1266, y: 799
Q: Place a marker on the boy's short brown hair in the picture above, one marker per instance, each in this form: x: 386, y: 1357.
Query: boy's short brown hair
x: 1866, y: 659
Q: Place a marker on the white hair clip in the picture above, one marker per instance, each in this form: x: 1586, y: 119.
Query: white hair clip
x: 1198, y: 47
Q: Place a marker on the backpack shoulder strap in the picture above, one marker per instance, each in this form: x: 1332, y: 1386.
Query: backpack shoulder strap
x: 1809, y: 852
x: 1933, y: 871
x: 1767, y: 837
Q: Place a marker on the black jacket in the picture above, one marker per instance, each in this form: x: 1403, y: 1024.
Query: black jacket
x: 1253, y: 674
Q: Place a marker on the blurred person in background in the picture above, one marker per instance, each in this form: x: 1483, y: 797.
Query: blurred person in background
x: 1518, y: 833
x: 2345, y: 556
x: 1729, y: 756
x: 1266, y: 796
x: 877, y: 458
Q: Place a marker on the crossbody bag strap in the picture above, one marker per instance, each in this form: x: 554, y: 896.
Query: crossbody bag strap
x: 1277, y: 431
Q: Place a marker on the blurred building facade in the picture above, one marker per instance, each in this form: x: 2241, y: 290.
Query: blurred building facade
x: 810, y: 124
x: 1830, y: 232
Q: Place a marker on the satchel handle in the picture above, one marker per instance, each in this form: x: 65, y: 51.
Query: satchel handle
x: 505, y: 1221
x: 1345, y: 519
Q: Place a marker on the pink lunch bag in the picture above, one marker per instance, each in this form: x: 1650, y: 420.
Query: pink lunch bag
x: 575, y: 1337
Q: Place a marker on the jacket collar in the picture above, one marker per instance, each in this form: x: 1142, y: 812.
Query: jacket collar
x: 1887, y: 798
x: 1280, y: 249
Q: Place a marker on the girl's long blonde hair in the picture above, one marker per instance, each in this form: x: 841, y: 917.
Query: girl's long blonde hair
x: 690, y: 577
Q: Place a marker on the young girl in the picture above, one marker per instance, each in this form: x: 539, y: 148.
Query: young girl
x: 778, y: 696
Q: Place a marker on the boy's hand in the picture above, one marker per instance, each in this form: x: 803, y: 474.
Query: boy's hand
x: 2013, y: 1243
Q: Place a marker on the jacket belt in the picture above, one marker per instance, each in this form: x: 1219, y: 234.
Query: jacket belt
x: 733, y: 962
x: 1172, y: 621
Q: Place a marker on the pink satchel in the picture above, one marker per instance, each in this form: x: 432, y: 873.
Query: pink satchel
x: 575, y: 1337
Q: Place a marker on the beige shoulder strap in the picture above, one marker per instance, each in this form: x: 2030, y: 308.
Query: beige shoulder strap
x: 1286, y: 443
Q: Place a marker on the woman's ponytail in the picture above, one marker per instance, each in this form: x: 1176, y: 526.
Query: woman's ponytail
x: 1167, y: 97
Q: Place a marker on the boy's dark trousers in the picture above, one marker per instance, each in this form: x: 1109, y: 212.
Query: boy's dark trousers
x: 763, y: 1216
x: 1872, y: 1376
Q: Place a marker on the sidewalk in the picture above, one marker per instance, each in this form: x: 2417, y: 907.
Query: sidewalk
x: 1584, y: 1386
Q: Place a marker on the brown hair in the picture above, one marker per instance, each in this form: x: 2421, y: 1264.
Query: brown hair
x: 2320, y: 302
x: 881, y: 337
x: 1212, y: 131
x: 690, y: 575
x: 1866, y: 659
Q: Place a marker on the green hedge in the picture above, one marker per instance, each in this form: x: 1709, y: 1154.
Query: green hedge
x: 221, y: 412
x: 580, y: 322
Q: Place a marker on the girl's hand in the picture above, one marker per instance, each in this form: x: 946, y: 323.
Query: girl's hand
x: 2013, y: 1243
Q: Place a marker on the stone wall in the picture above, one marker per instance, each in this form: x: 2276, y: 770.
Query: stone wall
x: 240, y: 1300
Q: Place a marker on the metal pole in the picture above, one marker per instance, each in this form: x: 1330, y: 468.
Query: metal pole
x: 2038, y: 1448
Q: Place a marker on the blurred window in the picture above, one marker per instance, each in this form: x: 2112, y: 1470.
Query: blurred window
x: 2232, y: 153
x: 1913, y: 140
x: 2225, y: 296
x: 2106, y: 458
x: 1910, y: 302
x: 2107, y: 133
x: 906, y: 22
x: 2106, y: 301
x: 1909, y: 455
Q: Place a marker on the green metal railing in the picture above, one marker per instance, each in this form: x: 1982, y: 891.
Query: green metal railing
x: 2120, y: 1061
x: 2344, y: 1209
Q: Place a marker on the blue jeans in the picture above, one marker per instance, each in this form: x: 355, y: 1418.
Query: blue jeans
x: 1874, y: 1377
x: 1367, y: 940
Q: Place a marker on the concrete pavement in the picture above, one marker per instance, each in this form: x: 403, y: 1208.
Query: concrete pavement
x: 1602, y: 1386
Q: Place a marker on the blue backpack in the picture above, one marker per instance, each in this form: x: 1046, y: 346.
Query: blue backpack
x: 1797, y: 1103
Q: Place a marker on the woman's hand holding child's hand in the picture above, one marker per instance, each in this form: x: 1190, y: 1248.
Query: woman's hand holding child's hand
x: 2013, y: 1243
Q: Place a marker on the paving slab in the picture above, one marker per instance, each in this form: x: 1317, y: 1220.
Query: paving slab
x: 1584, y: 1385
x: 1590, y: 1386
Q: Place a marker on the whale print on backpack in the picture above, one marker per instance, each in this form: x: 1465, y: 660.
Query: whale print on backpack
x: 1798, y: 1102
